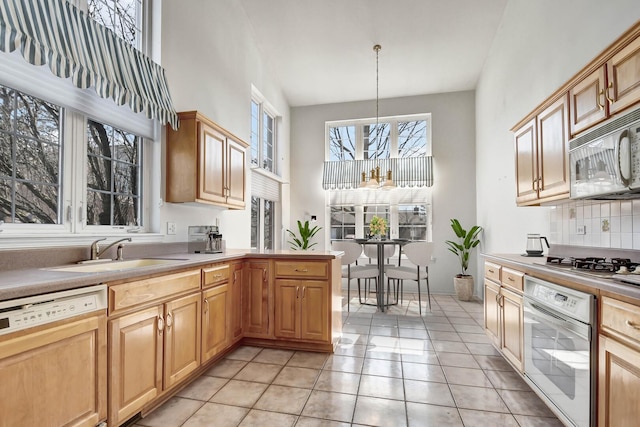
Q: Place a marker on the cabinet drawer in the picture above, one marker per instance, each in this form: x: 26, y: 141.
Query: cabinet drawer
x: 513, y: 279
x: 140, y: 292
x: 492, y: 271
x: 214, y: 275
x: 621, y: 317
x: 301, y: 269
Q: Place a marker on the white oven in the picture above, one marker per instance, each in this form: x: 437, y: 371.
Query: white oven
x: 559, y: 353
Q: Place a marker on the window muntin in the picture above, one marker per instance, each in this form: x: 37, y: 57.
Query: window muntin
x: 30, y: 159
x: 342, y: 142
x: 377, y: 141
x: 113, y: 176
x: 412, y: 138
x: 124, y: 17
x: 412, y: 222
x: 370, y: 211
x: 343, y: 222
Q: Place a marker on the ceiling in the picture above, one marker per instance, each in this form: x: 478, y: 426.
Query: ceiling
x: 321, y: 51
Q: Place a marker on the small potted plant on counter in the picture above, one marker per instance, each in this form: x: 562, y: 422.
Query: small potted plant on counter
x: 467, y: 240
x: 303, y: 242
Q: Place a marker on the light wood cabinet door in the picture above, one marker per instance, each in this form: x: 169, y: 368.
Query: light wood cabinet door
x: 587, y: 102
x: 618, y: 384
x: 236, y: 172
x: 314, y: 310
x: 256, y: 304
x: 492, y: 311
x: 55, y: 375
x: 623, y: 73
x: 553, y: 149
x: 526, y: 163
x: 182, y: 338
x: 135, y: 362
x: 236, y: 311
x: 512, y: 327
x: 287, y: 302
x: 211, y: 165
x: 215, y: 319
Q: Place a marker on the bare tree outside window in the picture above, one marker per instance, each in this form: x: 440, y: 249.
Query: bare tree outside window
x: 412, y: 138
x: 113, y: 176
x: 342, y: 143
x: 124, y: 17
x: 377, y: 141
x: 30, y: 153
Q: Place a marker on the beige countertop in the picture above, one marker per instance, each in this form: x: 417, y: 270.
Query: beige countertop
x: 535, y: 266
x: 35, y: 281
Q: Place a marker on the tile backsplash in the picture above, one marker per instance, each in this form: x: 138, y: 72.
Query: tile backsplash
x: 611, y: 224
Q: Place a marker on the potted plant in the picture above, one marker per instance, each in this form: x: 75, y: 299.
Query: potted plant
x: 303, y: 242
x: 377, y: 227
x: 467, y: 240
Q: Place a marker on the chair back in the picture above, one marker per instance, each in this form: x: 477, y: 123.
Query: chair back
x: 419, y: 253
x: 371, y: 251
x: 352, y: 250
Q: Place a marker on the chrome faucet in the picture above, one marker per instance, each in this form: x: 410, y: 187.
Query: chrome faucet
x: 96, y: 251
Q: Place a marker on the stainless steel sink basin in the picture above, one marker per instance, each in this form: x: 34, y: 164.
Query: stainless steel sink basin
x: 117, y: 265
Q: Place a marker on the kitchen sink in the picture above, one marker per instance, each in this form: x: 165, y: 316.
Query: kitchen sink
x: 117, y: 265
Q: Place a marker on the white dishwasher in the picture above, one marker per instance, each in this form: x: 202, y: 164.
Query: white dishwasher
x: 53, y: 350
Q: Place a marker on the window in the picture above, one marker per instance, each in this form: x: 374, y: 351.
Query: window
x: 263, y: 218
x: 342, y: 143
x: 30, y: 159
x: 263, y: 136
x: 377, y: 141
x: 412, y: 222
x: 343, y: 222
x: 380, y: 211
x: 412, y: 138
x: 113, y: 175
x: 124, y: 17
x: 41, y: 158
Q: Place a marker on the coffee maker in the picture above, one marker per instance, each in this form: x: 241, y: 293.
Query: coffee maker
x: 204, y: 239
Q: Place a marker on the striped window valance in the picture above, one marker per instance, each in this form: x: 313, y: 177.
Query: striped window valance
x: 56, y: 33
x: 406, y: 172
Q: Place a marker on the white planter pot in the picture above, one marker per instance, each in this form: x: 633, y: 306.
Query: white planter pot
x: 464, y: 287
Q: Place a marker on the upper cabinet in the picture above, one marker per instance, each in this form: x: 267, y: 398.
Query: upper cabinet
x: 611, y: 88
x: 542, y: 155
x: 205, y: 163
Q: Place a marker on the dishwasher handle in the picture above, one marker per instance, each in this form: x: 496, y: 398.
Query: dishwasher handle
x: 581, y: 329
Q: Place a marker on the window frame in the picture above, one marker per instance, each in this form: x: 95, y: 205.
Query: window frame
x: 264, y: 108
x: 261, y: 225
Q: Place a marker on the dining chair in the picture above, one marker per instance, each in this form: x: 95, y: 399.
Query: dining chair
x: 350, y: 270
x: 419, y: 254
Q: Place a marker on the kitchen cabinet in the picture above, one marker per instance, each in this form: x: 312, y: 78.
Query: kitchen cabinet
x: 611, y: 88
x: 155, y: 343
x: 302, y: 299
x: 55, y: 375
x: 236, y: 316
x: 257, y: 300
x: 542, y: 155
x: 215, y: 320
x: 205, y: 163
x: 504, y: 312
x: 618, y: 364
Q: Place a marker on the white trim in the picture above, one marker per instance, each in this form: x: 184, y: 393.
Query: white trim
x: 51, y: 240
x: 268, y: 174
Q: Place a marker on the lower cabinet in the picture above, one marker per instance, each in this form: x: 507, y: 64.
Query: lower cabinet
x: 512, y: 327
x: 256, y: 299
x: 236, y: 314
x: 492, y: 311
x: 302, y: 309
x: 215, y: 320
x: 150, y: 351
x: 618, y: 364
x: 55, y: 375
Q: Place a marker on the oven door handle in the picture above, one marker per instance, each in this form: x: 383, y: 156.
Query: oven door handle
x: 581, y: 330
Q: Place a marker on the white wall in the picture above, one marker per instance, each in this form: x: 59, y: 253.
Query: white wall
x: 211, y: 61
x: 454, y: 164
x: 539, y: 46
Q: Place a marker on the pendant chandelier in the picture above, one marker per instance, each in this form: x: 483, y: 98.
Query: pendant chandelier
x: 375, y: 181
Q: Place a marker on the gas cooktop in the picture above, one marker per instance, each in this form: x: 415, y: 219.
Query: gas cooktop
x: 618, y: 269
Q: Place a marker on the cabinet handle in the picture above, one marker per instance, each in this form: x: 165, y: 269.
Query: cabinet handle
x: 301, y: 270
x: 491, y: 271
x: 235, y: 276
x: 510, y: 279
x: 217, y: 276
x: 304, y: 288
x: 600, y: 106
x: 160, y: 324
x: 169, y: 320
x: 297, y: 291
x: 606, y: 93
x: 206, y: 303
x: 501, y: 301
x: 631, y: 324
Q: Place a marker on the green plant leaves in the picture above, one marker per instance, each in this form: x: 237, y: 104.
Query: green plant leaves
x: 306, y: 233
x: 467, y: 241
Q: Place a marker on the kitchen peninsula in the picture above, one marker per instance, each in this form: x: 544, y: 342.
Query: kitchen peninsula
x: 168, y: 317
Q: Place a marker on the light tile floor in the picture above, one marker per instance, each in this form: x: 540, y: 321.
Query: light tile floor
x: 390, y: 369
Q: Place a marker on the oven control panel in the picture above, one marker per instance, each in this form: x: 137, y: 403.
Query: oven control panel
x: 555, y: 298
